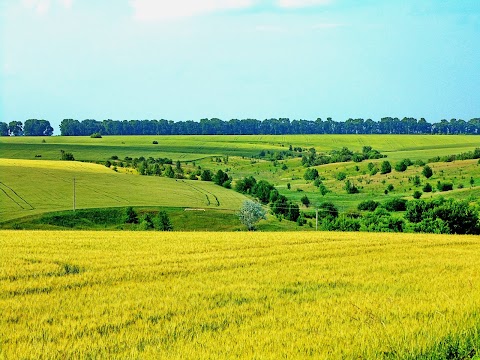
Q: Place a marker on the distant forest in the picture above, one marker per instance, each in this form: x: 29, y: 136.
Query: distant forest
x: 214, y: 126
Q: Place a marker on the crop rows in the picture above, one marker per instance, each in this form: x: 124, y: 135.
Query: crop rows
x: 237, y: 295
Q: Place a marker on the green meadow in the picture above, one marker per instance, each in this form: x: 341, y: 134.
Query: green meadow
x: 35, y: 182
x: 188, y: 147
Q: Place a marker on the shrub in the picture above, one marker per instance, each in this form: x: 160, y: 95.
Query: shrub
x: 444, y: 186
x: 305, y: 200
x: 427, y: 188
x: 340, y: 176
x: 350, y: 187
x: 395, y: 204
x: 327, y: 208
x: 131, y: 216
x: 401, y: 166
x: 427, y: 171
x: 162, y: 222
x: 417, y: 194
x: 206, y: 175
x: 96, y: 135
x: 310, y: 174
x: 155, y: 142
x: 66, y: 156
x: 386, y: 167
x: 368, y: 205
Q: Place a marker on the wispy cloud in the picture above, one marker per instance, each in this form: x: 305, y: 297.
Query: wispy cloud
x: 150, y: 10
x: 42, y: 7
x: 293, y: 4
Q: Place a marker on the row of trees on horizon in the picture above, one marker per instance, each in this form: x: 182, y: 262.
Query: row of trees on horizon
x: 215, y: 126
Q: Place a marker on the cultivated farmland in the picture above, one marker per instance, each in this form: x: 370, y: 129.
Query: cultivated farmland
x: 31, y: 187
x: 213, y: 295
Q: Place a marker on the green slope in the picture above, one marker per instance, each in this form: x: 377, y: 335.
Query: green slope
x: 31, y: 187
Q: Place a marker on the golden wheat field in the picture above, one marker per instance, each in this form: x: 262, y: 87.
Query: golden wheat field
x: 237, y: 295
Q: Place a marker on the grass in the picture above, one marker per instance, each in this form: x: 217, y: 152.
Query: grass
x: 100, y: 187
x: 30, y: 187
x: 187, y: 148
x: 238, y: 295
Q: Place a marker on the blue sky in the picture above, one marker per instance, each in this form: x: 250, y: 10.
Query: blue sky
x: 149, y: 59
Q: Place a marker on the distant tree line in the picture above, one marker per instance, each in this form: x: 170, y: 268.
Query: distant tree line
x: 32, y: 127
x: 215, y: 126
x: 281, y: 126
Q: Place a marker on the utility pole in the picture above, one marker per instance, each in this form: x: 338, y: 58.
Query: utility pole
x: 74, y: 194
x: 316, y: 219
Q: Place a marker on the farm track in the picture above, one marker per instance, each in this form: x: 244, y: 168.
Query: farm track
x: 17, y: 199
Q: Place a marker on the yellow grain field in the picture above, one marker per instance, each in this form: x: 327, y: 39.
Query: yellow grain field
x: 237, y: 295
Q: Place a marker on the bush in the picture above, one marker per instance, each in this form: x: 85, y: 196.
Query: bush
x: 401, y: 166
x: 340, y: 176
x: 305, y: 201
x: 66, y: 156
x: 444, y: 186
x: 162, y: 222
x: 131, y: 216
x: 311, y: 174
x: 155, y: 142
x: 206, y: 175
x: 386, y: 167
x: 427, y: 171
x: 427, y: 188
x: 327, y: 208
x: 417, y: 194
x: 96, y: 135
x: 368, y: 205
x: 395, y: 204
x: 350, y: 187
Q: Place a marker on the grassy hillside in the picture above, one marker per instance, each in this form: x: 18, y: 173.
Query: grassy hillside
x: 196, y: 147
x: 102, y: 187
x: 29, y: 187
x: 238, y: 295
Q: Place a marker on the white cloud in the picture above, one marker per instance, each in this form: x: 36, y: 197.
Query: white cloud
x: 291, y: 4
x: 148, y: 10
x: 42, y: 7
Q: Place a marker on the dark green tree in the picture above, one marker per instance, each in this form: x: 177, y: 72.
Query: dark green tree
x: 162, y: 222
x: 305, y: 200
x: 3, y: 129
x: 427, y: 171
x: 386, y: 167
x: 15, y: 128
x: 206, y: 175
x: 131, y: 216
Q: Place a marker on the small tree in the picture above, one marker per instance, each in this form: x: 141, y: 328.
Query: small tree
x: 131, y: 216
x: 427, y: 171
x: 162, y: 222
x: 386, y: 167
x: 305, y: 200
x: 427, y: 188
x: 417, y: 194
x: 250, y: 213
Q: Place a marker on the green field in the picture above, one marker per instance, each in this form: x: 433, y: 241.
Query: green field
x: 238, y: 295
x: 36, y: 187
x: 187, y: 148
x: 30, y: 187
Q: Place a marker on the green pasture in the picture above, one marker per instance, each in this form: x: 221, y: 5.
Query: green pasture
x: 192, y: 147
x: 46, y: 188
x: 29, y: 187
